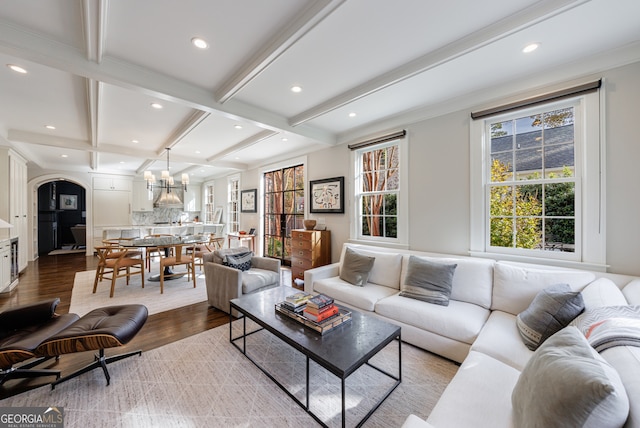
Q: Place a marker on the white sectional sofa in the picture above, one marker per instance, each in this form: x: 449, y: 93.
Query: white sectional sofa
x: 478, y: 327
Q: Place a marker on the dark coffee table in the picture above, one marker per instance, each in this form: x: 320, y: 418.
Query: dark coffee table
x: 341, y: 351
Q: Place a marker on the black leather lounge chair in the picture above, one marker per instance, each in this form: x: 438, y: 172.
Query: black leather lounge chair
x: 22, y: 330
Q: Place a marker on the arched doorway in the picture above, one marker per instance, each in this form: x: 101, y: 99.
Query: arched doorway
x: 61, y: 207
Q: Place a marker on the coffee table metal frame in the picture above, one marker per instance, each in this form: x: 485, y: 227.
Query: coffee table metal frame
x: 288, y: 330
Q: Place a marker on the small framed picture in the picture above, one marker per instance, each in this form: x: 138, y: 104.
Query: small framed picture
x: 248, y: 201
x: 68, y: 202
x: 327, y: 196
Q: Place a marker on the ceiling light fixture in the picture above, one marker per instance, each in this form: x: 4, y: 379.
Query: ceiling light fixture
x: 17, y: 68
x: 352, y: 114
x: 166, y: 179
x: 64, y: 156
x: 135, y: 141
x: 531, y: 47
x: 50, y: 127
x: 156, y: 105
x: 285, y: 139
x: 199, y: 43
x: 296, y: 89
x: 238, y: 126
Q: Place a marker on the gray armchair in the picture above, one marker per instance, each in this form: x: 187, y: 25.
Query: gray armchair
x: 225, y: 283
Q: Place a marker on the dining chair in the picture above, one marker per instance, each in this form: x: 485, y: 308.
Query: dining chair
x: 118, y: 263
x: 179, y: 257
x: 151, y: 252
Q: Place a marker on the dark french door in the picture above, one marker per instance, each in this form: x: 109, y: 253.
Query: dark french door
x: 283, y: 210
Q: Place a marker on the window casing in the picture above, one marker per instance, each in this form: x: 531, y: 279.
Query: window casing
x: 537, y: 184
x: 233, y: 204
x: 209, y: 204
x: 379, y: 203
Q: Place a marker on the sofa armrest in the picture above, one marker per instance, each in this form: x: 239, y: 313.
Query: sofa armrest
x: 265, y: 263
x: 223, y: 284
x: 322, y: 272
x: 415, y: 422
x: 631, y: 292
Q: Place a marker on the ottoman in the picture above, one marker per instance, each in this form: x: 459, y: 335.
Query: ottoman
x: 102, y: 328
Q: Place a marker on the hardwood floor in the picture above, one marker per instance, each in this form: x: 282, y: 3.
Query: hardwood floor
x: 52, y: 276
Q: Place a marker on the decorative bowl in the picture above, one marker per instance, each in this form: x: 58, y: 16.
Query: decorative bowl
x: 242, y: 232
x: 309, y: 224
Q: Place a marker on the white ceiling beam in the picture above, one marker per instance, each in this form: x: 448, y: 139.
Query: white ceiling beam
x: 94, y: 25
x: 23, y: 43
x: 185, y: 128
x: 254, y: 139
x: 306, y: 20
x: 523, y: 19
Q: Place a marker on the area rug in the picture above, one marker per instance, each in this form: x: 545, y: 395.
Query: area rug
x: 203, y: 381
x: 177, y: 292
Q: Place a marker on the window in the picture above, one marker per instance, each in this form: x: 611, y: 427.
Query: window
x: 536, y: 183
x: 233, y: 205
x: 378, y: 186
x: 209, y: 204
x: 532, y: 201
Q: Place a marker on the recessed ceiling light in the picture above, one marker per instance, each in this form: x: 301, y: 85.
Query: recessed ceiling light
x: 531, y: 47
x: 17, y: 68
x: 352, y: 114
x: 197, y: 152
x: 50, y: 127
x: 135, y: 141
x: 156, y: 105
x: 285, y: 139
x: 296, y: 89
x: 199, y: 43
x: 238, y: 126
x: 64, y: 156
x: 121, y: 162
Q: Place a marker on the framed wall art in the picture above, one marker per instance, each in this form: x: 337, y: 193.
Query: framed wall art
x: 68, y: 202
x: 248, y: 200
x: 327, y: 196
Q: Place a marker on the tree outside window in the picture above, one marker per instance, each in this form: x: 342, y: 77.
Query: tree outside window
x: 379, y: 190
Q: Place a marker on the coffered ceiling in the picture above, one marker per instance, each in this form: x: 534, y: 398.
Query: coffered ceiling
x: 95, y: 67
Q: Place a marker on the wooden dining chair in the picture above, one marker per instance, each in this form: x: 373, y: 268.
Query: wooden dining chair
x: 151, y: 252
x: 116, y: 262
x: 179, y: 257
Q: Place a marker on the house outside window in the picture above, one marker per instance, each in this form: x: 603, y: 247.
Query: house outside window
x: 233, y: 204
x: 537, y: 184
x: 378, y: 186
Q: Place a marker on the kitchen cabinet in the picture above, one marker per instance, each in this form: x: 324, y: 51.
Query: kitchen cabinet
x: 13, y: 201
x: 111, y: 183
x: 111, y: 203
x: 5, y: 264
x: 141, y: 201
x: 192, y: 198
x: 309, y: 249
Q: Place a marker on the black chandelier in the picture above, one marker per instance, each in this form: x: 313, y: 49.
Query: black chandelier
x: 166, y: 179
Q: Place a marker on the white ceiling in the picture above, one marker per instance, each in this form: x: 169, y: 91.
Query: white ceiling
x: 95, y: 66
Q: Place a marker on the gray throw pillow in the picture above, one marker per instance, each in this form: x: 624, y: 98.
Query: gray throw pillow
x: 428, y: 281
x: 566, y: 383
x: 356, y: 267
x: 550, y: 311
x: 240, y: 261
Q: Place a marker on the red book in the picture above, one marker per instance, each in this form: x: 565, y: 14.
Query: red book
x: 316, y: 311
x: 333, y: 310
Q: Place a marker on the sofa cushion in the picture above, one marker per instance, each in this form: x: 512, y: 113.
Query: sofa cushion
x: 473, y: 281
x: 386, y: 267
x: 255, y: 279
x: 500, y: 339
x: 626, y: 361
x: 550, y: 311
x: 602, y: 292
x: 479, y: 395
x: 364, y: 298
x: 240, y: 261
x: 567, y: 383
x: 515, y: 286
x: 459, y: 321
x: 631, y: 292
x: 428, y: 281
x: 355, y: 267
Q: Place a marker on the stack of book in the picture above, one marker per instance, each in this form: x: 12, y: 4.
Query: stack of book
x: 296, y: 302
x: 320, y: 308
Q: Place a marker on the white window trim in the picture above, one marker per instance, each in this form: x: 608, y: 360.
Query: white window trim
x: 230, y: 179
x: 591, y: 225
x: 402, y: 241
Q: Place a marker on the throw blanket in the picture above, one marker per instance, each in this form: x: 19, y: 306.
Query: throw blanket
x: 610, y: 326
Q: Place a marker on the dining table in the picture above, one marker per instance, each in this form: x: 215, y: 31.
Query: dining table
x: 165, y: 242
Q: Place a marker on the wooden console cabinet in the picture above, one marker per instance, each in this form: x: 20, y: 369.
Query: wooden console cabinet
x: 309, y: 249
